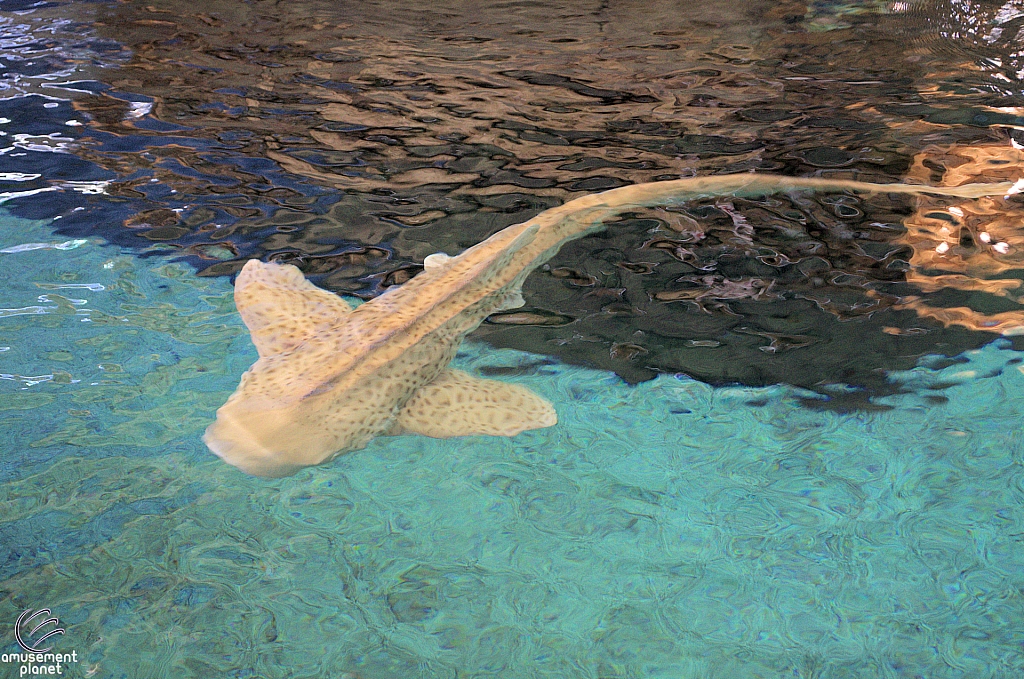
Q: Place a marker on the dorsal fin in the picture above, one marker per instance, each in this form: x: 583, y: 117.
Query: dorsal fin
x: 436, y: 260
x: 281, y: 308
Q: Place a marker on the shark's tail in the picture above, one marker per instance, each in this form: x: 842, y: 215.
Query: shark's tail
x: 541, y: 237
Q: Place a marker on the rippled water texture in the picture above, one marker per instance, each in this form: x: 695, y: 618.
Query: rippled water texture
x: 789, y: 427
x: 354, y: 139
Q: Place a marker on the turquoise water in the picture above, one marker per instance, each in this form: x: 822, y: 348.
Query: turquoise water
x: 667, y: 529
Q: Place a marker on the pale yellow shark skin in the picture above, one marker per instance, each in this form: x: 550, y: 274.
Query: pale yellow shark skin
x: 329, y: 380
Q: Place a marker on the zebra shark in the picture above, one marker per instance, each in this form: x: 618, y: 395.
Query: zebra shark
x: 329, y: 378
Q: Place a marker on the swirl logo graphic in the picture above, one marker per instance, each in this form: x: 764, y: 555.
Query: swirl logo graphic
x: 28, y: 640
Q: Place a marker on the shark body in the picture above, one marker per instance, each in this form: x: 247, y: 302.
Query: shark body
x: 330, y: 378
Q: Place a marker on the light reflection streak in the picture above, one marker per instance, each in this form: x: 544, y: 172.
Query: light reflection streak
x: 969, y: 246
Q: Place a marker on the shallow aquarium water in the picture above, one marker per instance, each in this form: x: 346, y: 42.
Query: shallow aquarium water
x: 789, y: 428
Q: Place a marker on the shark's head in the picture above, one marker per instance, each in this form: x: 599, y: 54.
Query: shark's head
x: 277, y: 438
x: 299, y: 404
x: 263, y: 450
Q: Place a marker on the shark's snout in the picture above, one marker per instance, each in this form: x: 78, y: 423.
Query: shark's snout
x: 237, y: 446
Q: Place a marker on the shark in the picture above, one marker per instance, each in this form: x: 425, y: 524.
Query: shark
x: 329, y: 378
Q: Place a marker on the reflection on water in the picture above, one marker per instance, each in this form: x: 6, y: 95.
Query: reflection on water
x: 968, y: 252
x: 353, y: 140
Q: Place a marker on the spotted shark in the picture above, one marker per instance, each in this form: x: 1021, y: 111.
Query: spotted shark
x: 330, y: 378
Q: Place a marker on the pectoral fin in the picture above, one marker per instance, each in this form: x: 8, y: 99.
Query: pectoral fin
x: 458, y: 404
x: 281, y: 308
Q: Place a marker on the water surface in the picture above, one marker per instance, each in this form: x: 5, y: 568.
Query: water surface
x: 789, y: 428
